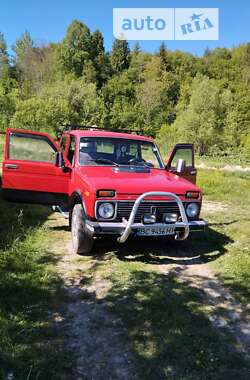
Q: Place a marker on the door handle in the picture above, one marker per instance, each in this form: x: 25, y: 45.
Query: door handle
x: 193, y: 172
x: 11, y: 166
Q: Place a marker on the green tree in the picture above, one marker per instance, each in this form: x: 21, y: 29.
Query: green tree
x: 199, y: 122
x: 21, y: 47
x: 7, y: 107
x: 4, y: 58
x: 100, y: 60
x: 40, y: 114
x: 75, y: 49
x: 120, y: 56
x: 163, y: 54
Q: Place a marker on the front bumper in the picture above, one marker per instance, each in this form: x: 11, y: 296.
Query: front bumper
x: 127, y: 227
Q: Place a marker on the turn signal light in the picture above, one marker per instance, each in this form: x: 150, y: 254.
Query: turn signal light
x: 192, y: 194
x: 105, y: 193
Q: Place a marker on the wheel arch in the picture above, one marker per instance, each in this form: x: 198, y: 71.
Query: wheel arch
x: 76, y: 198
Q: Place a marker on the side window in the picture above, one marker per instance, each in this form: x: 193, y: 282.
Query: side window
x: 72, y: 148
x: 31, y: 148
x: 185, y: 154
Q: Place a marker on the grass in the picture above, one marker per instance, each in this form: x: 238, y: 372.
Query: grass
x: 165, y: 320
x: 234, y: 221
x: 30, y: 293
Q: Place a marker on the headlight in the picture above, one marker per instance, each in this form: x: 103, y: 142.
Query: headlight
x: 106, y: 210
x: 192, y: 210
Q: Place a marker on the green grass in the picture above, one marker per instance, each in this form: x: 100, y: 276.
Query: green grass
x: 166, y: 320
x: 30, y: 292
x: 234, y: 221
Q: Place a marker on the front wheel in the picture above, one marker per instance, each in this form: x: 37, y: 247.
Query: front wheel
x: 82, y: 241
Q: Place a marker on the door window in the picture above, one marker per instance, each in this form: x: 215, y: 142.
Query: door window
x: 31, y: 148
x: 185, y: 154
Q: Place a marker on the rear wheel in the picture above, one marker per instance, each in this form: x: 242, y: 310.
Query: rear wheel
x: 82, y: 241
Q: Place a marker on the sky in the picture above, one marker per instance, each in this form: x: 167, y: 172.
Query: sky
x: 47, y: 20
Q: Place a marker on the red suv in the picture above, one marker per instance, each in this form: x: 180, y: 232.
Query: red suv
x: 106, y: 182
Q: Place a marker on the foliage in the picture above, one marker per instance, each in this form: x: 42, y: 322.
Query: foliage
x: 170, y: 94
x: 120, y: 56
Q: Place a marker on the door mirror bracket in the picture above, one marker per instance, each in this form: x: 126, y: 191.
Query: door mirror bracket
x: 59, y: 160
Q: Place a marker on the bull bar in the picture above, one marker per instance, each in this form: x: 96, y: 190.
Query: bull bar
x: 125, y: 228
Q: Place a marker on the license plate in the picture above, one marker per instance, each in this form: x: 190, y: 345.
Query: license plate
x: 156, y: 231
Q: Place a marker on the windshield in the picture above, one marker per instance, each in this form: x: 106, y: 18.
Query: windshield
x: 114, y: 151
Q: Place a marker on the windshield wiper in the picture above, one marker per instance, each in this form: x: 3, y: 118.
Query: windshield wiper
x: 104, y: 161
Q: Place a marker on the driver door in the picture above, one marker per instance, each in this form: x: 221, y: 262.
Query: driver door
x: 184, y: 152
x: 30, y: 173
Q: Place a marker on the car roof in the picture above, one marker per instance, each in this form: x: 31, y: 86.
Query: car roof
x: 110, y: 134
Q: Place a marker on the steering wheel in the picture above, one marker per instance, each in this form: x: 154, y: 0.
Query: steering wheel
x: 132, y: 160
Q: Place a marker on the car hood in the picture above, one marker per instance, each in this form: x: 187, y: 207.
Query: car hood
x: 105, y: 177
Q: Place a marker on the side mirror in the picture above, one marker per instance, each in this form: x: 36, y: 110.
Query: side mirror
x: 59, y: 162
x: 180, y: 165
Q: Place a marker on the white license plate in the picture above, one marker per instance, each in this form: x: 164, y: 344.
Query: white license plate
x: 156, y: 231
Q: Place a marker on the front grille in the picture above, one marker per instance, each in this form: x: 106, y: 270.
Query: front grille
x: 124, y: 209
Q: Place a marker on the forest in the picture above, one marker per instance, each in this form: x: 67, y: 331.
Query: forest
x: 171, y: 95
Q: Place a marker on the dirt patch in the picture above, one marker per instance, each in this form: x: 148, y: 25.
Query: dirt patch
x: 95, y: 336
x: 226, y: 168
x: 223, y: 311
x: 209, y: 207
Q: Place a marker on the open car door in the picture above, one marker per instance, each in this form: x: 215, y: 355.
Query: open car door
x: 30, y: 171
x: 181, y: 162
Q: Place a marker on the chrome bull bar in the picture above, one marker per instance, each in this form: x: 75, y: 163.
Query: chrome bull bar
x: 178, y: 235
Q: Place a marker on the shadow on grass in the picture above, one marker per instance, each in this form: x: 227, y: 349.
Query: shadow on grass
x: 201, y: 247
x: 17, y: 219
x: 30, y: 341
x: 168, y: 328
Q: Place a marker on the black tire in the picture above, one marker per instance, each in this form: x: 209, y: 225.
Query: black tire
x: 82, y: 241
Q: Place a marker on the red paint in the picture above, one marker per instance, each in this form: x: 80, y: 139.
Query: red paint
x: 46, y: 177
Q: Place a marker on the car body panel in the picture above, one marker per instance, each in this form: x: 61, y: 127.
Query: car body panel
x: 41, y: 182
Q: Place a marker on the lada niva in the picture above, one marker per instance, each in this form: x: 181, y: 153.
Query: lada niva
x: 108, y: 183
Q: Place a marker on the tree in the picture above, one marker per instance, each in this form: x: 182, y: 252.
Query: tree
x: 163, y: 54
x: 100, y: 60
x: 136, y: 49
x: 40, y: 114
x: 199, y: 122
x: 21, y: 47
x: 7, y: 108
x: 75, y: 48
x: 120, y: 56
x: 4, y: 58
x: 246, y: 71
